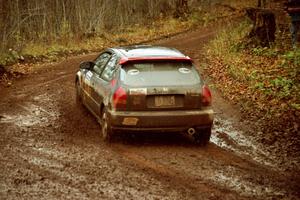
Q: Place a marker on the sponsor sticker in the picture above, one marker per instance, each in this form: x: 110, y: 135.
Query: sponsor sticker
x: 89, y: 75
x: 138, y: 91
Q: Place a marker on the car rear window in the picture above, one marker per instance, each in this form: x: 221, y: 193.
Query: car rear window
x: 159, y: 74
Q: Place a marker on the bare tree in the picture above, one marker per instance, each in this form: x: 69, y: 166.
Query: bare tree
x: 47, y: 20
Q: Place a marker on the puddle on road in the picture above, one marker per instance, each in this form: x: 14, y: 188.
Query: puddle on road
x: 226, y: 136
x: 233, y: 181
x: 42, y: 162
x: 30, y: 114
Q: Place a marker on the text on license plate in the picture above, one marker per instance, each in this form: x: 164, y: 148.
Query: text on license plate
x: 161, y: 101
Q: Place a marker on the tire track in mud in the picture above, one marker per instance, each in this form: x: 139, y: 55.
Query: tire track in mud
x: 198, y: 186
x: 206, y: 172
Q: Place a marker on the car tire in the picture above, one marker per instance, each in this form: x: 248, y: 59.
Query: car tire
x: 202, y: 137
x: 78, y: 93
x: 106, y: 131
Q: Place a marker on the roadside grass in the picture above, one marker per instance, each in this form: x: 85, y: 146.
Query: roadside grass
x: 265, y: 82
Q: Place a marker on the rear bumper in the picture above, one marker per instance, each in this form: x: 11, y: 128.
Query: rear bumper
x: 161, y: 121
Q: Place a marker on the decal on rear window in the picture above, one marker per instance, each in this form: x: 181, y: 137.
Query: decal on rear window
x: 184, y: 70
x: 133, y: 72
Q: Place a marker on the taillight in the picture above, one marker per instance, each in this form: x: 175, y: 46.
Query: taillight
x: 120, y: 99
x: 206, y: 96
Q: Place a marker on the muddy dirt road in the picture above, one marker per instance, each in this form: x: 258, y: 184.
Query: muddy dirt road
x: 51, y: 149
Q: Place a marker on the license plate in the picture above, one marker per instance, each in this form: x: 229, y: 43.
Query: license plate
x: 163, y: 101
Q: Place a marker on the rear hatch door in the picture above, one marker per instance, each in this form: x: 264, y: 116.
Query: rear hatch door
x: 161, y: 85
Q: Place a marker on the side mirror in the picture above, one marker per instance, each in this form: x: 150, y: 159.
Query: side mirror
x: 86, y: 65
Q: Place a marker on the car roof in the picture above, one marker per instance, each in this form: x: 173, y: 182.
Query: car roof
x: 148, y: 51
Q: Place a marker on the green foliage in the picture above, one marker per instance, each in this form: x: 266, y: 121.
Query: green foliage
x: 279, y: 87
x: 6, y: 59
x: 293, y: 56
x: 282, y: 86
x: 296, y: 105
x: 264, y: 51
x: 258, y: 51
x: 238, y: 47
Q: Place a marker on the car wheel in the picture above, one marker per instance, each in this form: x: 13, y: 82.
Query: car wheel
x: 202, y: 137
x: 105, y: 128
x: 78, y: 93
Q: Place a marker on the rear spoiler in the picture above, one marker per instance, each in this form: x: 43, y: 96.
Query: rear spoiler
x: 125, y: 60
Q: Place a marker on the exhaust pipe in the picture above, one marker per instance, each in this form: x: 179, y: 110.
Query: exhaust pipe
x: 191, y: 131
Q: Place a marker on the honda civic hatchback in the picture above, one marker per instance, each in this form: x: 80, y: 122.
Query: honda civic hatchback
x: 145, y: 89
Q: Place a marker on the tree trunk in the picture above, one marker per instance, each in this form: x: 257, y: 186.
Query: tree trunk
x: 264, y: 26
x: 182, y: 9
x: 261, y: 3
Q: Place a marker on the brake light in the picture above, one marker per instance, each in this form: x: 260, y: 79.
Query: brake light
x: 120, y: 99
x: 206, y: 96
